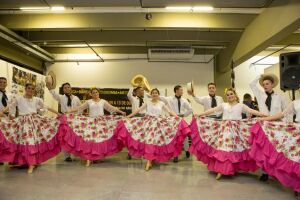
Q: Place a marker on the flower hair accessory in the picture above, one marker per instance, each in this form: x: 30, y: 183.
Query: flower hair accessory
x: 225, y: 91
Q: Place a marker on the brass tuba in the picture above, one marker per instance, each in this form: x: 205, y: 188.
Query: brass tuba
x: 140, y: 81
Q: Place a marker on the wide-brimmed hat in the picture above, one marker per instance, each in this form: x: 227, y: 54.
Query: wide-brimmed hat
x: 51, y: 80
x: 269, y: 76
x: 190, y: 86
x: 140, y: 81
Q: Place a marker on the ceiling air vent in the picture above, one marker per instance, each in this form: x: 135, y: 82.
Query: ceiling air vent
x: 170, y: 54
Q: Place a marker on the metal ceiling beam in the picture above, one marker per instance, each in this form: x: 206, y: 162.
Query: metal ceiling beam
x: 24, y: 44
x: 125, y: 21
x: 134, y: 37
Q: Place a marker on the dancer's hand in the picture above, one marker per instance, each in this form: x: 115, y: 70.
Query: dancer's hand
x: 191, y: 93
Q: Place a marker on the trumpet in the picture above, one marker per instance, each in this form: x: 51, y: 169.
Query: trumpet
x: 140, y: 81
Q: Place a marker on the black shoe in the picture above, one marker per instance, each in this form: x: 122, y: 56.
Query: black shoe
x: 187, y: 154
x: 297, y: 195
x: 68, y: 159
x: 264, y: 177
x: 175, y: 160
x: 1, y: 163
x: 128, y: 157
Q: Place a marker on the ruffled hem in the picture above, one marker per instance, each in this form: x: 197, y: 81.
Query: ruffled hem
x: 227, y: 163
x: 272, y: 162
x: 87, y: 150
x: 150, y: 151
x: 28, y: 154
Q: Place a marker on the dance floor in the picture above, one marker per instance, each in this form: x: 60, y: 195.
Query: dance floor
x: 116, y: 178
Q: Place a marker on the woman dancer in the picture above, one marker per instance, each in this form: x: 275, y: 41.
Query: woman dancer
x: 152, y: 127
x: 96, y: 107
x: 223, y: 145
x: 29, y: 139
x: 276, y: 146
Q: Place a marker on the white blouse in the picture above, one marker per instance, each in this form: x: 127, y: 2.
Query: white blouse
x: 155, y: 109
x: 294, y: 109
x: 97, y: 108
x: 29, y: 106
x: 232, y: 112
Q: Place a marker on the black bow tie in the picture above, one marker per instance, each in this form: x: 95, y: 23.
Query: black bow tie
x: 141, y: 101
x: 4, y: 99
x: 213, y: 101
x: 269, y: 100
x: 69, y: 104
x: 178, y: 103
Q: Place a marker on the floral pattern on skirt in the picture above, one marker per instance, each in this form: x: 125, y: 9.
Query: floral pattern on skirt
x: 29, y: 129
x: 285, y: 138
x: 225, y: 135
x: 153, y: 130
x: 91, y: 129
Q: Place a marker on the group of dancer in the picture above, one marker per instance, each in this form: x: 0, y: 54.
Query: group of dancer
x: 157, y: 131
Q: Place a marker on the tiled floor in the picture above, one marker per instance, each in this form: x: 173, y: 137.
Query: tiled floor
x: 118, y: 179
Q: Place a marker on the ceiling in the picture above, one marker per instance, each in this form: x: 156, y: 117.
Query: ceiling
x: 111, y: 30
x: 5, y: 4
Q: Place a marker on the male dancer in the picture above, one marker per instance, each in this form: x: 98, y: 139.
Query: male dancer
x: 137, y: 98
x: 269, y: 101
x: 67, y: 101
x: 182, y: 108
x: 209, y: 101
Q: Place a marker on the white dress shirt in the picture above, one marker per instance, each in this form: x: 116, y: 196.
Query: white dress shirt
x: 232, y: 112
x: 293, y: 109
x: 279, y: 103
x: 155, y: 109
x: 29, y: 106
x: 135, y: 101
x: 205, y: 101
x: 10, y: 98
x: 172, y: 102
x: 63, y: 101
x: 97, y: 108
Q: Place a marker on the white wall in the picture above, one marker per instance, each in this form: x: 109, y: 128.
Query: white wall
x: 162, y: 75
x: 245, y: 73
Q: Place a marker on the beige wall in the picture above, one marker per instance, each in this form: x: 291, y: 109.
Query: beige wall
x: 245, y: 73
x: 162, y: 75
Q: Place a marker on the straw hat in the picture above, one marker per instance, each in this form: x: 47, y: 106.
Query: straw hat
x: 140, y: 81
x: 51, y: 80
x: 269, y: 76
x: 190, y: 86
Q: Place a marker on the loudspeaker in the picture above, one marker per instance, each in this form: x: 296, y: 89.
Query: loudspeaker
x: 289, y: 71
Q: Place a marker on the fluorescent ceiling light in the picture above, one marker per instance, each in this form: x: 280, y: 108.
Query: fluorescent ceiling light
x: 179, y: 8
x: 34, y: 8
x: 57, y: 8
x: 203, y: 8
x: 54, y: 8
x: 196, y: 8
